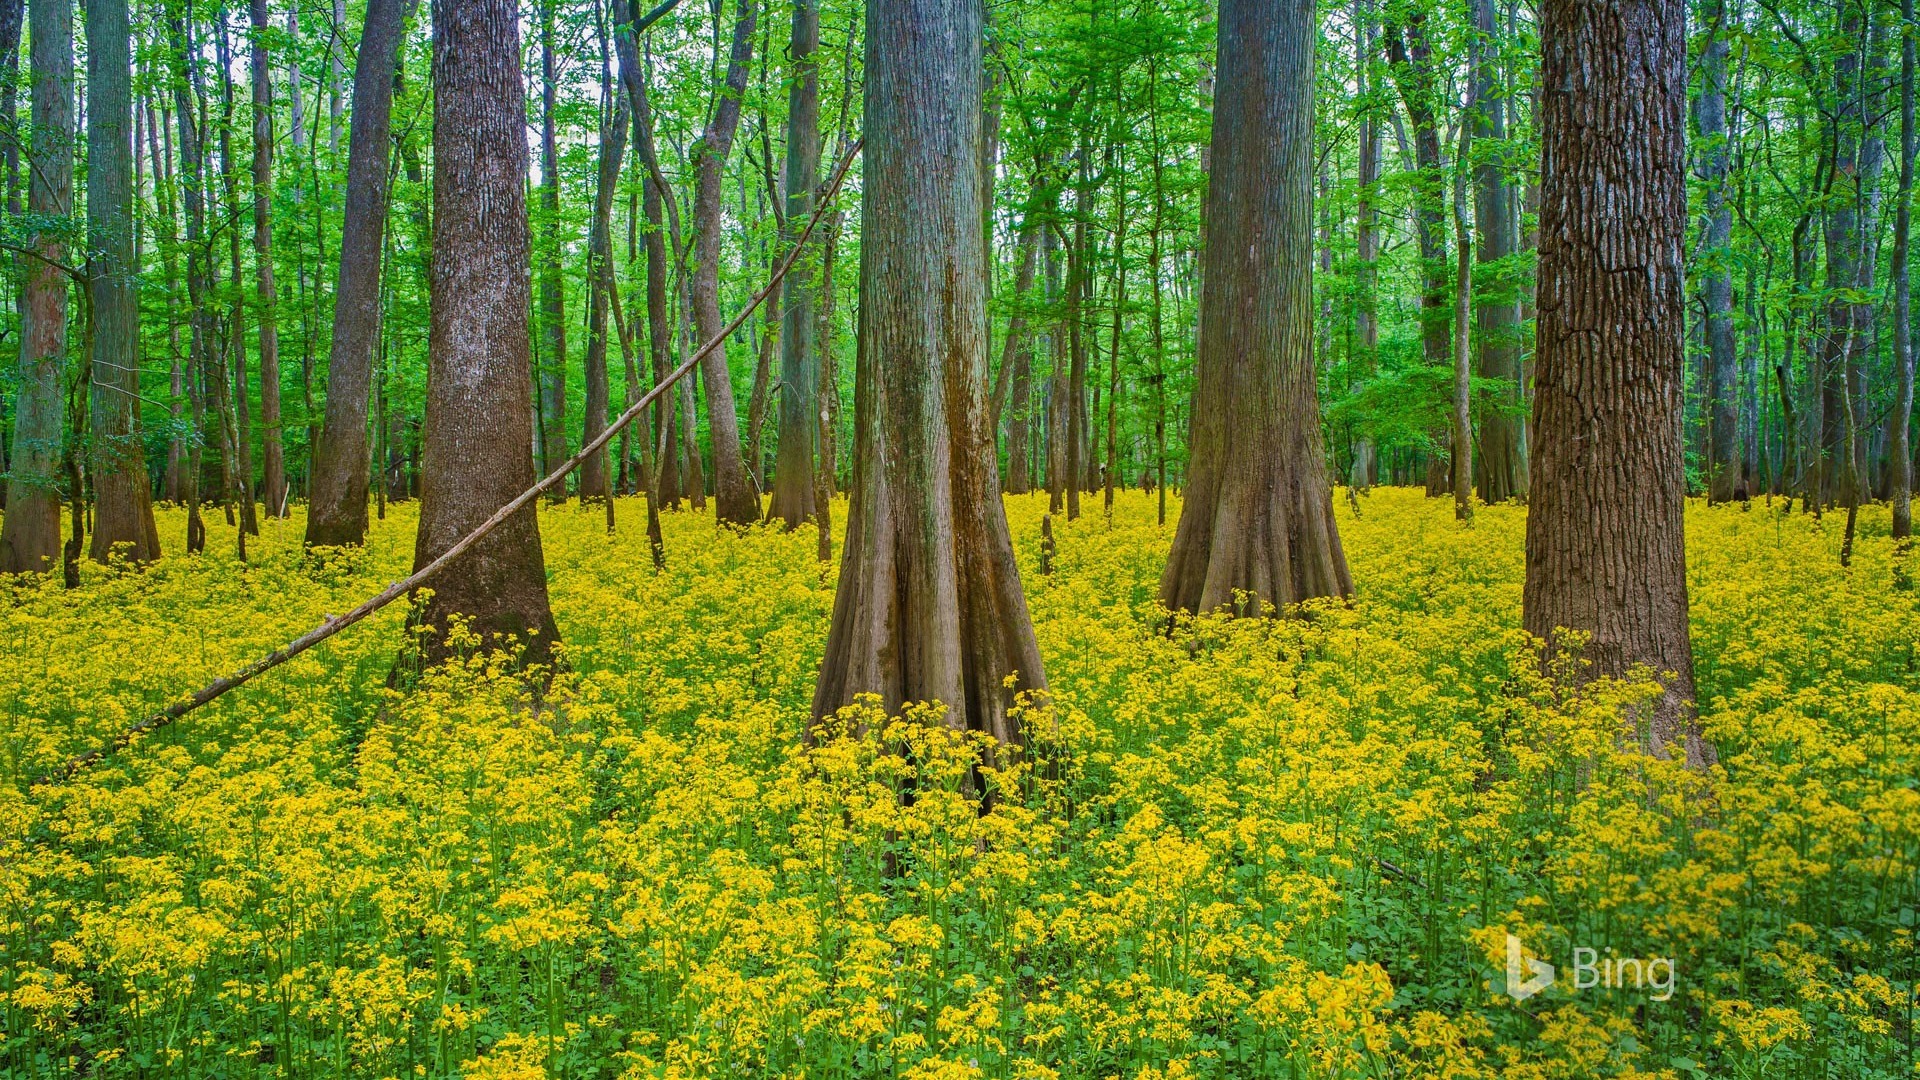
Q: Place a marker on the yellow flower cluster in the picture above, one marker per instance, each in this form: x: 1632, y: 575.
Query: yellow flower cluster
x: 1254, y: 848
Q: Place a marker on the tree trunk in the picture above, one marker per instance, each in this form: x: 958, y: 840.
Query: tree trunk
x: 1410, y: 59
x: 30, y: 532
x: 1502, y: 458
x: 238, y: 420
x: 736, y: 501
x: 595, y: 474
x: 1259, y: 506
x: 1367, y: 241
x: 479, y: 429
x: 1016, y: 358
x: 929, y: 606
x: 553, y: 289
x: 793, y: 479
x: 1605, y: 545
x: 1462, y: 311
x: 1723, y: 438
x: 1899, y: 453
x: 274, y: 490
x: 337, y: 489
x: 123, y: 502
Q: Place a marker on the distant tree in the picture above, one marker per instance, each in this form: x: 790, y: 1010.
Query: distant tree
x: 1605, y: 529
x: 929, y: 606
x: 1258, y: 516
x: 479, y: 425
x: 793, y: 480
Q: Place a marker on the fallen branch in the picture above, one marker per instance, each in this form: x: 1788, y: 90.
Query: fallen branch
x: 419, y: 577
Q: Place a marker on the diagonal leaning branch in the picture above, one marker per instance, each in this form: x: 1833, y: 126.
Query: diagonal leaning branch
x: 419, y: 577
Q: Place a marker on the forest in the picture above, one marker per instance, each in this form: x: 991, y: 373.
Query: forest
x: 947, y: 539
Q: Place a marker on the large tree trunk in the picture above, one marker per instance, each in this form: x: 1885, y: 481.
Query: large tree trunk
x: 793, y: 479
x: 1501, y: 464
x: 929, y: 606
x: 30, y: 533
x: 1899, y: 453
x: 553, y: 289
x: 1605, y: 545
x: 338, y: 486
x: 1259, y: 506
x: 274, y: 490
x: 479, y: 428
x: 1723, y: 438
x: 595, y: 474
x: 737, y: 502
x: 123, y: 502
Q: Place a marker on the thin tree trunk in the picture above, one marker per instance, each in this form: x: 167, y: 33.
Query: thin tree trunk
x: 479, y: 428
x: 338, y: 484
x: 1605, y: 550
x: 239, y: 420
x: 274, y: 490
x: 595, y: 474
x: 1462, y: 312
x: 123, y: 502
x: 1258, y: 517
x: 553, y: 290
x: 736, y: 501
x: 929, y: 606
x: 30, y: 532
x: 1899, y: 453
x: 799, y: 412
x: 1723, y: 438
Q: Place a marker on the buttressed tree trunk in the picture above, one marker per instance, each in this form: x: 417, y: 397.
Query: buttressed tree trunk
x: 30, y: 533
x: 737, y: 502
x: 1259, y: 505
x: 793, y: 480
x: 477, y: 452
x: 275, y: 491
x: 123, y: 502
x: 1605, y: 552
x: 929, y: 606
x: 338, y: 488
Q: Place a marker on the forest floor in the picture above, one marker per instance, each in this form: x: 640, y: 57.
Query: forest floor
x: 1254, y: 848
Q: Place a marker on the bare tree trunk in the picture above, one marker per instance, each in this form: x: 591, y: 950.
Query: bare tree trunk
x: 929, y: 606
x: 123, y: 502
x: 793, y: 469
x: 1462, y: 312
x: 553, y: 290
x: 274, y: 490
x: 1259, y: 506
x: 1367, y: 320
x: 1410, y: 57
x: 1502, y: 460
x: 736, y: 501
x: 30, y: 532
x: 1723, y: 439
x: 1012, y: 377
x: 1605, y: 546
x: 338, y: 485
x: 479, y: 430
x: 595, y: 474
x: 238, y: 420
x: 1899, y: 453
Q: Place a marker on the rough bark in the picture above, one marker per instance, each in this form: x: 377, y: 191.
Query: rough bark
x: 793, y: 479
x: 30, y: 532
x: 123, y: 502
x: 274, y: 486
x: 1258, y: 518
x: 1605, y: 544
x: 337, y: 489
x: 929, y: 605
x: 477, y: 453
x: 736, y: 500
